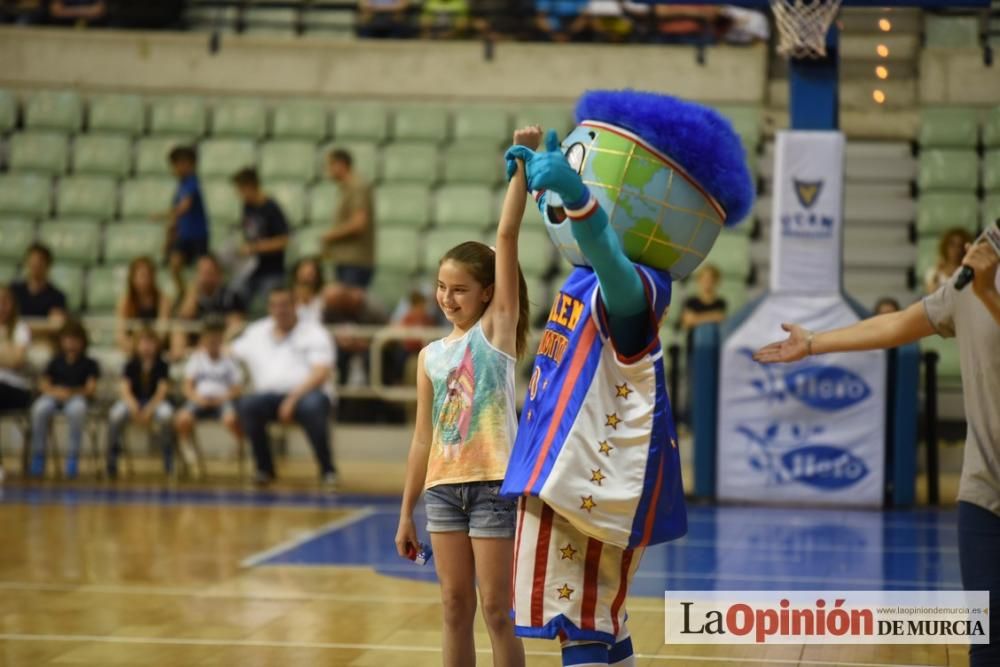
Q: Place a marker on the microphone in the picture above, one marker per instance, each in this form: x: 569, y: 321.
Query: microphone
x: 992, y: 236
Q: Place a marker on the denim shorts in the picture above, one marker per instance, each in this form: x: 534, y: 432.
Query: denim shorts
x: 471, y: 507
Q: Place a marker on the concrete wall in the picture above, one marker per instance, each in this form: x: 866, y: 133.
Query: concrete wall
x: 169, y: 62
x: 958, y: 76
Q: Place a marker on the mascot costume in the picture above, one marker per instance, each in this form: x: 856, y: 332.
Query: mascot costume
x: 634, y: 197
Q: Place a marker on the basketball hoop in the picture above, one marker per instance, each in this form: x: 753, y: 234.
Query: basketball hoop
x: 802, y: 26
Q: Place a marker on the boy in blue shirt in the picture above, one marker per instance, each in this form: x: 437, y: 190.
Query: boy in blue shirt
x: 187, y: 228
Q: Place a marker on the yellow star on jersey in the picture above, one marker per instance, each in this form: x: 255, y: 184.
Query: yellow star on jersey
x: 568, y: 552
x: 673, y: 443
x: 587, y: 503
x: 597, y: 476
x: 604, y: 447
x: 613, y: 420
x: 565, y: 592
x: 622, y: 390
x: 529, y: 415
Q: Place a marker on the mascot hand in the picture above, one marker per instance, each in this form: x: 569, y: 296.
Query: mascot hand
x: 549, y: 170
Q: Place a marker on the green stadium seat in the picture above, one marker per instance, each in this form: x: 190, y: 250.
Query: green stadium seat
x: 288, y: 160
x: 40, y: 152
x: 389, y: 286
x: 731, y: 255
x: 945, y: 169
x: 291, y: 196
x: 991, y: 209
x: 123, y: 114
x: 8, y: 271
x: 271, y: 20
x: 558, y: 118
x: 485, y: 124
x: 465, y: 206
x: 72, y: 240
x: 947, y: 127
x: 396, y: 249
x: 952, y: 32
x: 105, y: 286
x: 735, y: 294
x: 360, y: 122
x: 87, y: 197
x: 8, y: 111
x: 17, y: 234
x: 420, y: 124
x: 102, y: 154
x: 410, y: 163
x: 224, y: 157
x: 26, y: 194
x: 146, y: 196
x: 927, y: 255
x: 364, y: 156
x: 938, y: 212
x: 183, y: 116
x: 949, y: 366
x: 151, y: 154
x: 306, y: 242
x: 69, y: 279
x: 991, y: 171
x: 991, y: 128
x: 224, y: 236
x: 300, y: 120
x: 440, y: 240
x: 403, y: 205
x: 746, y: 121
x: 473, y: 163
x: 221, y: 202
x: 54, y: 110
x: 323, y: 201
x: 133, y: 239
x: 535, y: 251
x: 239, y: 118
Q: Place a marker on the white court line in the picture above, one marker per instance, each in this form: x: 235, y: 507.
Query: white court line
x: 408, y: 648
x: 361, y: 514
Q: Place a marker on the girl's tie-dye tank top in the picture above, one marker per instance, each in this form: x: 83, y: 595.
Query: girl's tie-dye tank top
x: 473, y: 415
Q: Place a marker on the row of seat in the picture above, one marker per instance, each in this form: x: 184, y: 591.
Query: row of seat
x: 959, y: 127
x: 958, y: 170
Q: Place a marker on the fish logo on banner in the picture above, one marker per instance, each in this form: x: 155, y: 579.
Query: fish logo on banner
x: 806, y: 222
x: 789, y: 455
x: 821, y: 387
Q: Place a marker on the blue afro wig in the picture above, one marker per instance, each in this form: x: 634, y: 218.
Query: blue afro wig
x: 699, y: 139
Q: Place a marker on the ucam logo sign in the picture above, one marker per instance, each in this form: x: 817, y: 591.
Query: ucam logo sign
x: 806, y: 222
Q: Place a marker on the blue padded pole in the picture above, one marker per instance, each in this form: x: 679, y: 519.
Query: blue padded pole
x: 904, y: 424
x: 703, y: 393
x: 813, y: 98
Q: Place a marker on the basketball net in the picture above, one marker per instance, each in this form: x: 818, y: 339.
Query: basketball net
x: 802, y: 26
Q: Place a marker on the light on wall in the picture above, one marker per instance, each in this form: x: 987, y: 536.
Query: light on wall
x: 885, y: 25
x: 882, y: 50
x: 878, y: 96
x: 882, y: 72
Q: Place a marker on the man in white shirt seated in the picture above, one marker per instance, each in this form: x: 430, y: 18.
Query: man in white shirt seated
x: 290, y: 362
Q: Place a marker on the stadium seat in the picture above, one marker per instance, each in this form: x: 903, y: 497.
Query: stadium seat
x: 558, y: 118
x: 746, y: 121
x: 991, y: 128
x: 105, y: 285
x: 927, y: 254
x: 306, y: 242
x: 465, y: 206
x: 947, y: 127
x: 225, y: 237
x: 389, y: 286
x: 147, y: 196
x: 263, y: 20
x: 288, y: 160
x: 420, y: 124
x: 731, y: 255
x: 410, y: 163
x: 364, y: 156
x: 184, y: 116
x: 396, y: 249
x: 87, y: 197
x: 991, y: 209
x: 8, y: 111
x: 54, y: 110
x: 329, y: 22
x: 224, y: 157
x: 440, y: 240
x: 102, y: 154
x: 945, y: 169
x: 991, y: 171
x: 245, y: 119
x: 323, y: 201
x: 151, y: 154
x: 133, y: 239
x: 360, y: 122
x: 734, y: 292
x: 404, y: 205
x: 952, y: 32
x: 72, y: 240
x: 291, y: 196
x: 17, y: 234
x: 949, y: 367
x: 300, y: 120
x: 535, y: 251
x: 69, y: 279
x: 486, y: 125
x: 480, y: 162
x: 124, y: 114
x: 40, y: 152
x: 221, y: 202
x: 940, y: 211
x: 25, y: 194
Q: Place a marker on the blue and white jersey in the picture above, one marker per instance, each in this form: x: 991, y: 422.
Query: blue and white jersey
x: 596, y: 439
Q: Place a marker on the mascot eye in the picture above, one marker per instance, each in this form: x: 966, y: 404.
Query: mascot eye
x: 574, y: 155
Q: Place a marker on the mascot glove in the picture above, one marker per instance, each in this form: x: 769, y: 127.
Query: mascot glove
x: 549, y: 170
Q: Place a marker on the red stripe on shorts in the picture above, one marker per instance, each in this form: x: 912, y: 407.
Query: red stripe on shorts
x: 517, y: 546
x: 592, y: 566
x: 541, y: 562
x: 616, y: 606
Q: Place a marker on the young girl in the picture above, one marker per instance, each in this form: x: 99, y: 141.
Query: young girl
x: 465, y: 426
x: 142, y: 300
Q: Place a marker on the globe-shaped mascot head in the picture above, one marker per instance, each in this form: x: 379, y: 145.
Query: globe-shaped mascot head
x: 669, y: 174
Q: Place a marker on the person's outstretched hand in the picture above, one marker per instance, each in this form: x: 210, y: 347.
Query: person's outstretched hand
x: 549, y: 169
x: 792, y: 348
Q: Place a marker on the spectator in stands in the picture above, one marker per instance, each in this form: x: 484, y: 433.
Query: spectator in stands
x: 144, y: 387
x: 384, y: 18
x: 67, y: 385
x: 142, y: 301
x: 496, y: 18
x: 561, y: 20
x: 307, y: 289
x: 207, y: 295
x: 444, y: 19
x: 418, y: 314
x: 951, y: 248
x: 78, y: 12
x: 22, y: 12
x: 351, y: 240
x: 704, y: 307
x: 886, y: 305
x: 15, y: 389
x: 351, y: 305
x: 212, y: 383
x: 187, y: 223
x: 607, y: 21
x: 290, y: 363
x: 265, y: 232
x: 688, y: 23
x: 36, y: 297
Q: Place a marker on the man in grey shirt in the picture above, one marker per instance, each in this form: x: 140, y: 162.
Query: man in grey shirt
x: 973, y: 317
